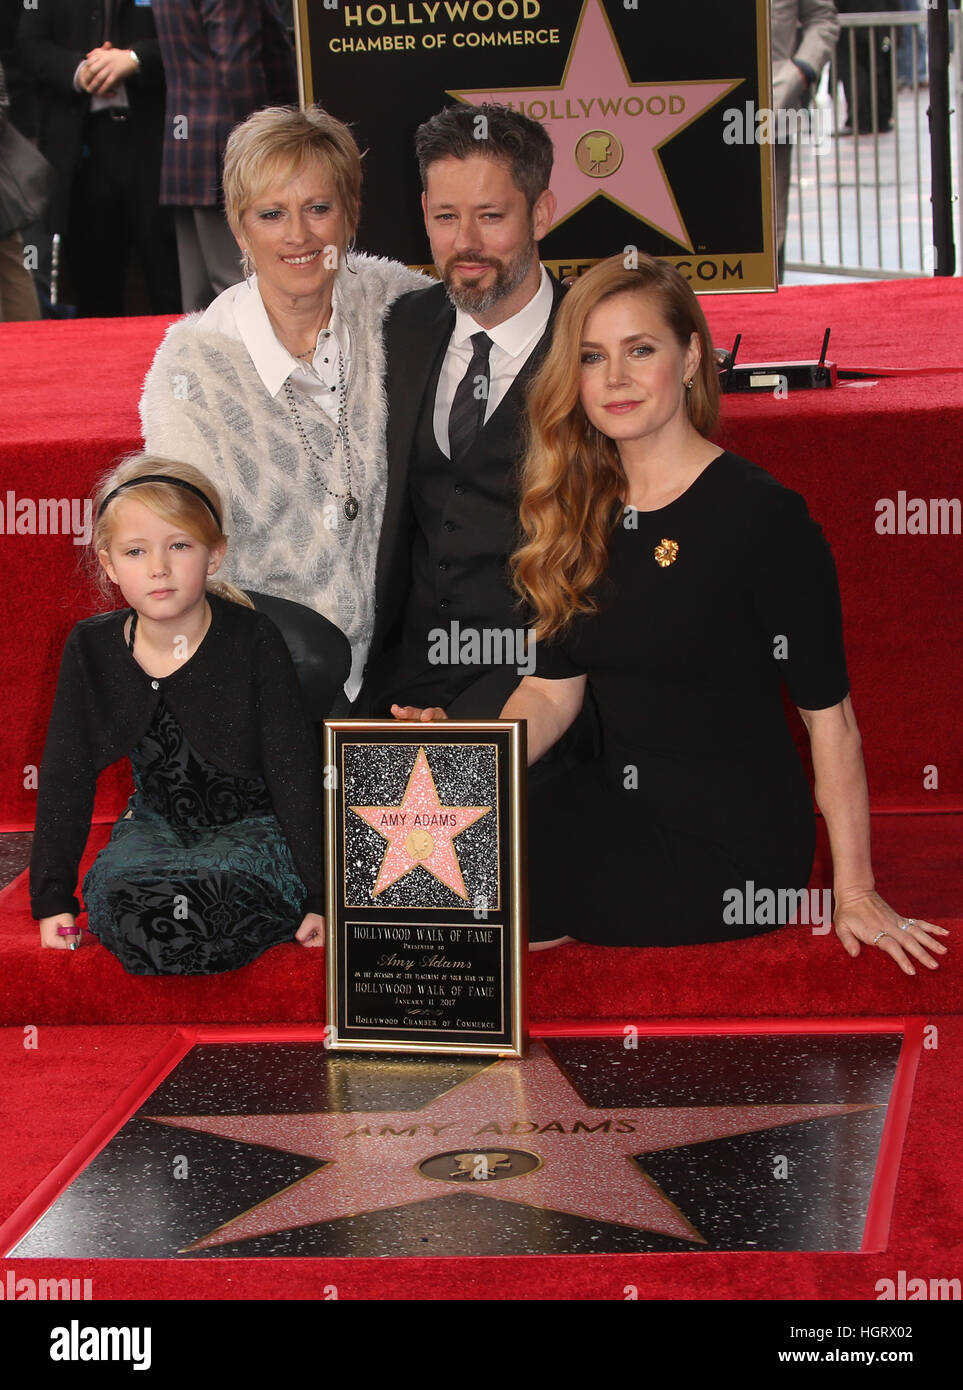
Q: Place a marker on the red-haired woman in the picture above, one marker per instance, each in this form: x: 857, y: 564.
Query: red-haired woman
x: 685, y: 585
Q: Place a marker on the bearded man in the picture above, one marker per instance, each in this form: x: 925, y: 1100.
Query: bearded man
x: 448, y: 632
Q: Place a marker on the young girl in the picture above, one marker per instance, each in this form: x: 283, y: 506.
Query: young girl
x: 220, y: 852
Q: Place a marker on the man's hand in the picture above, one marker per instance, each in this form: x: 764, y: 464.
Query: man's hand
x: 311, y: 930
x: 423, y: 716
x: 104, y: 68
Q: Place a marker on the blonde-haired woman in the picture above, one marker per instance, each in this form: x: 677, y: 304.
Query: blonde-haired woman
x: 686, y: 585
x: 219, y: 853
x: 276, y: 390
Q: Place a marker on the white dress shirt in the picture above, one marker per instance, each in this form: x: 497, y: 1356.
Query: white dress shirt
x: 512, y: 345
x: 239, y: 313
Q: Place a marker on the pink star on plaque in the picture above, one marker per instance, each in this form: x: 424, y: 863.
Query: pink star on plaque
x: 516, y: 1132
x: 421, y: 832
x: 608, y: 130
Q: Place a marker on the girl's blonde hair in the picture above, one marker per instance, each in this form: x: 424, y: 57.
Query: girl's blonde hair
x: 572, y: 477
x: 177, y: 505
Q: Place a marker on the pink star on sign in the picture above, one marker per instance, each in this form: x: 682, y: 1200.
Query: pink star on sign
x: 421, y: 832
x: 597, y: 105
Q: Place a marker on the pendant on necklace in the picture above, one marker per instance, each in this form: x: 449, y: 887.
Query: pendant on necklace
x: 350, y: 507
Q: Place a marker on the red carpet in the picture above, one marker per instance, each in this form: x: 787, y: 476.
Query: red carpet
x: 843, y: 449
x: 924, y: 1237
x: 73, y: 387
x: 71, y: 392
x: 790, y: 972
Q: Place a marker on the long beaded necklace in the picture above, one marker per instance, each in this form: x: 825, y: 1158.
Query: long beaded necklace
x: 349, y: 503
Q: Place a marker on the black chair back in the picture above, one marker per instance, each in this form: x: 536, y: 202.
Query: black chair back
x: 320, y: 651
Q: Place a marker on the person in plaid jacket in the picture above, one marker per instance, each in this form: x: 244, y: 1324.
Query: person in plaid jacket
x: 223, y: 59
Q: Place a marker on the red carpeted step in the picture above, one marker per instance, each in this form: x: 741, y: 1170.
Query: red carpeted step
x: 791, y: 972
x: 73, y: 389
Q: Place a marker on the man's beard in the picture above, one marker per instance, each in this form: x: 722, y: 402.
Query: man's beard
x: 476, y: 299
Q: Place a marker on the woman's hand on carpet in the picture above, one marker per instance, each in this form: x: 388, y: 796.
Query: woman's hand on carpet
x: 869, y: 921
x: 60, y: 932
x: 311, y: 930
x: 423, y: 716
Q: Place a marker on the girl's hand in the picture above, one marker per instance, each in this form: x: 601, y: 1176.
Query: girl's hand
x: 424, y: 716
x: 50, y: 933
x: 311, y: 930
x: 862, y: 919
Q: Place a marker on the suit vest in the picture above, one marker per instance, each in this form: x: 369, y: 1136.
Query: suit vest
x: 467, y: 526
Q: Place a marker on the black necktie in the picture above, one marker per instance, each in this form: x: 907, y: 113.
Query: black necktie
x: 471, y: 397
x: 109, y: 8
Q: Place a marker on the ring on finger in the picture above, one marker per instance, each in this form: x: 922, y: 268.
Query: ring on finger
x: 906, y: 923
x: 878, y: 935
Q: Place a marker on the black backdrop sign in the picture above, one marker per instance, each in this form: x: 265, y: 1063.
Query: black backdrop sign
x: 633, y: 93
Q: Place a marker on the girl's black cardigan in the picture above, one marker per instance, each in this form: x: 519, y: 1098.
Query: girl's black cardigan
x: 237, y: 700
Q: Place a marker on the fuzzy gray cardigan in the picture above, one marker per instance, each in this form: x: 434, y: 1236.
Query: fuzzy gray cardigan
x: 204, y: 403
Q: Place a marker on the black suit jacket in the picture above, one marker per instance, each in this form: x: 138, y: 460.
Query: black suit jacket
x: 52, y: 41
x: 416, y: 333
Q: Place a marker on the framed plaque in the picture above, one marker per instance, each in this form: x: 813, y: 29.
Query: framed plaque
x: 426, y: 904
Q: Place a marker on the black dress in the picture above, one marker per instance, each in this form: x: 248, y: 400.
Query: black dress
x: 197, y: 877
x: 699, y: 789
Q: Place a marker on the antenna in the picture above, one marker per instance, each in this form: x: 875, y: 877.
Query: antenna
x: 732, y: 362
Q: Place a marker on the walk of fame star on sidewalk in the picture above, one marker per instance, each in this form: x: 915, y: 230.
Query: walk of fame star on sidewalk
x: 597, y: 98
x: 588, y: 1156
x: 420, y: 832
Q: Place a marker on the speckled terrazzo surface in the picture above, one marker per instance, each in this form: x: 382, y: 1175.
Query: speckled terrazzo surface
x: 14, y: 854
x: 708, y: 1142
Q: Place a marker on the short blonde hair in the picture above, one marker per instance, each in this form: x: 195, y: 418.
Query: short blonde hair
x: 276, y: 144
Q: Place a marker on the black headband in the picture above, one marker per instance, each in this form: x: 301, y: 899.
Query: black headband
x: 160, y: 478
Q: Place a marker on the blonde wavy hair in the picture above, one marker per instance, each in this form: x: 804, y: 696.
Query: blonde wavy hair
x: 571, y: 477
x: 174, y: 504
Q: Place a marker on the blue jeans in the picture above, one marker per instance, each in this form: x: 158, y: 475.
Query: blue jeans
x: 904, y: 55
